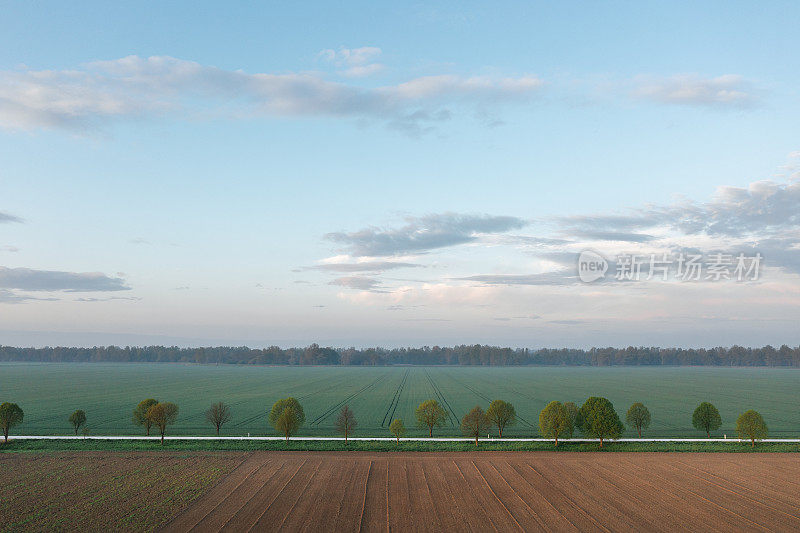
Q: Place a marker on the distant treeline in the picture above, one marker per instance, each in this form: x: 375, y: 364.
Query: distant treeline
x: 477, y: 355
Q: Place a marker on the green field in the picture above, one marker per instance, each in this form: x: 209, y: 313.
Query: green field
x: 48, y: 393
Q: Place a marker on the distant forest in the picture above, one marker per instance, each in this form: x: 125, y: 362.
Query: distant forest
x: 475, y: 355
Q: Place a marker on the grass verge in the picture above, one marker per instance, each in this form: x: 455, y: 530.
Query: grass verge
x: 44, y: 445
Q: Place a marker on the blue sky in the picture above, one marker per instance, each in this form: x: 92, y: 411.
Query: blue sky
x: 366, y: 173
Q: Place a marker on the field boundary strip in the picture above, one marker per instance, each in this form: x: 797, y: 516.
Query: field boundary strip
x: 382, y: 439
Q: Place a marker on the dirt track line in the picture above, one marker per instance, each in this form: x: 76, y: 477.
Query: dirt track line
x: 516, y: 494
x: 364, y: 502
x: 332, y: 409
x: 723, y: 508
x: 540, y: 495
x: 388, y: 524
x: 745, y: 488
x: 570, y: 500
x: 472, y: 492
x: 742, y: 495
x: 271, y: 501
x: 294, y: 504
x: 238, y: 485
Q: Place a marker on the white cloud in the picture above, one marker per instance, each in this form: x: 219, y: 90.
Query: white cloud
x: 729, y: 90
x: 134, y: 86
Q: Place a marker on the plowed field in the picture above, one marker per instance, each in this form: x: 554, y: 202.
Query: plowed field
x: 501, y: 491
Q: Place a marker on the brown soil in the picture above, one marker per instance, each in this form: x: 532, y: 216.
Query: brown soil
x: 502, y: 491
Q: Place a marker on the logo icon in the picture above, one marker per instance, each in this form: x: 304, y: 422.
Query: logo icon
x: 591, y: 266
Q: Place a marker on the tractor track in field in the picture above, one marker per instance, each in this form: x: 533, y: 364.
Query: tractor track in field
x: 486, y: 398
x: 395, y: 400
x: 330, y: 410
x: 438, y: 392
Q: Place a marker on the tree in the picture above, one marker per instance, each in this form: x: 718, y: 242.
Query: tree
x: 638, y: 416
x: 751, y: 425
x: 501, y: 414
x: 430, y: 415
x: 77, y: 419
x: 706, y: 418
x: 10, y: 415
x: 289, y: 423
x: 397, y: 428
x: 140, y: 414
x: 475, y: 423
x: 572, y: 416
x: 555, y: 421
x: 346, y: 422
x: 599, y: 420
x: 162, y: 415
x: 218, y: 414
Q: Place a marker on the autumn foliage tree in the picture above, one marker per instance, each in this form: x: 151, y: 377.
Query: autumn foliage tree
x: 555, y: 421
x: 501, y: 414
x: 10, y: 415
x: 140, y: 414
x: 397, y: 428
x: 218, y: 414
x: 475, y: 423
x: 77, y: 419
x: 750, y: 425
x: 430, y: 415
x: 638, y: 416
x: 161, y: 415
x: 346, y: 422
x: 706, y: 418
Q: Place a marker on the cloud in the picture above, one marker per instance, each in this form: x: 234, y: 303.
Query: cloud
x: 10, y: 297
x: 26, y: 279
x: 357, y: 282
x: 7, y: 217
x: 722, y: 91
x: 354, y: 62
x: 366, y: 266
x: 136, y: 87
x: 423, y: 234
x: 599, y: 235
x: 558, y: 277
x: 8, y: 248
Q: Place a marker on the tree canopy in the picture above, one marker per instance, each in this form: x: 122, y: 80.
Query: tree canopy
x: 397, y: 428
x: 706, y: 418
x: 10, y: 415
x: 287, y: 416
x: 750, y: 425
x: 638, y: 416
x: 77, y: 419
x: 430, y: 415
x: 555, y: 421
x: 161, y: 415
x: 140, y: 414
x: 599, y: 420
x: 475, y: 423
x: 501, y: 414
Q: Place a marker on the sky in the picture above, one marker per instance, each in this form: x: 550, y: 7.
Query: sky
x: 399, y: 174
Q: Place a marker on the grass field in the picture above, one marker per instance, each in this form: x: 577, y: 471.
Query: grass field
x: 48, y: 393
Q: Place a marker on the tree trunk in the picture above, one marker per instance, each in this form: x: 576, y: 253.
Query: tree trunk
x: 217, y: 430
x: 162, y: 438
x: 752, y: 443
x: 76, y: 431
x: 287, y: 437
x: 476, y: 441
x: 708, y: 434
x: 640, y: 432
x: 501, y: 432
x: 430, y: 431
x: 5, y: 434
x: 147, y: 429
x: 601, y: 442
x: 398, y: 438
x: 556, y: 440
x: 345, y: 435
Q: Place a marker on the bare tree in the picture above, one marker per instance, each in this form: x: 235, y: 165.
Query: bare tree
x: 218, y: 414
x: 346, y: 422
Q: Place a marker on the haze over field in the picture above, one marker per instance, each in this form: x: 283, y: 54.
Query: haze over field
x: 369, y: 174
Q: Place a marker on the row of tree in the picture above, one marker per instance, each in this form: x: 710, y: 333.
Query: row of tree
x: 477, y: 355
x: 596, y: 418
